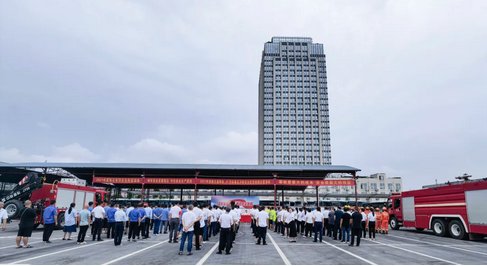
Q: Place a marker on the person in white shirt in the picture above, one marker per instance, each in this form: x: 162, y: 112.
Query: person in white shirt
x: 282, y: 214
x: 99, y: 214
x: 325, y: 219
x: 234, y: 214
x: 253, y: 217
x: 174, y: 217
x: 189, y: 219
x: 148, y: 220
x: 197, y: 226
x: 318, y: 220
x: 364, y: 221
x: 3, y: 216
x: 226, y: 223
x: 371, y: 218
x: 292, y: 226
x: 120, y: 219
x: 205, y: 223
x: 288, y: 217
x: 300, y: 223
x: 262, y: 223
x: 309, y: 223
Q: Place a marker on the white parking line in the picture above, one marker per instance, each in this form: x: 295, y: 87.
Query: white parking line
x: 133, y: 253
x: 208, y: 254
x: 350, y: 253
x: 286, y: 261
x: 60, y: 251
x: 439, y: 245
x: 418, y: 253
x: 13, y: 245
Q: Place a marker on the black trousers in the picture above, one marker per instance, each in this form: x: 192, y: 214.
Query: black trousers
x: 225, y: 240
x: 147, y: 227
x: 141, y: 229
x: 336, y: 229
x: 118, y: 233
x: 358, y: 233
x: 325, y: 226
x: 197, y: 230
x: 98, y: 225
x: 283, y: 228
x: 363, y: 228
x: 303, y: 226
x: 372, y: 230
x: 82, y: 233
x: 309, y: 228
x: 262, y: 234
x: 330, y: 229
x: 48, y: 228
x: 111, y: 230
x: 277, y: 229
x: 298, y: 226
x: 133, y: 229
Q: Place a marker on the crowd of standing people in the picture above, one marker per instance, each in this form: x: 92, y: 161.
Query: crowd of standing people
x: 344, y: 225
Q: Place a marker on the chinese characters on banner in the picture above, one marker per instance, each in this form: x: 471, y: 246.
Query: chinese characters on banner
x: 223, y: 182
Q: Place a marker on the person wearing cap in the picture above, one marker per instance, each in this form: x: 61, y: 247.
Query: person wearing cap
x: 226, y: 223
x: 378, y: 223
x: 385, y: 221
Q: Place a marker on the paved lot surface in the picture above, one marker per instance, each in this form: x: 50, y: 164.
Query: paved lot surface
x: 405, y: 246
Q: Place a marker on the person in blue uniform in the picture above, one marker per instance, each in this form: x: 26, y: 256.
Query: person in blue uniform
x: 111, y: 221
x: 50, y: 221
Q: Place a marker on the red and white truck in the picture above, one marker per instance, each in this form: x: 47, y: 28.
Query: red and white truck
x: 456, y: 209
x: 33, y: 188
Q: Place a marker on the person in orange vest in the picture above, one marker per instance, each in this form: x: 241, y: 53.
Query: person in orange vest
x: 385, y: 221
x: 378, y: 222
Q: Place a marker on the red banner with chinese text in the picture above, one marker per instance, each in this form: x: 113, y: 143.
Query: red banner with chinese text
x: 222, y: 182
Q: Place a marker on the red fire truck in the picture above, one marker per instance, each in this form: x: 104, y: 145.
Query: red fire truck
x: 456, y: 209
x: 33, y: 188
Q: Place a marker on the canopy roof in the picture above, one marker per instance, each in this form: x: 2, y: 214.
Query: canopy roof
x: 86, y: 171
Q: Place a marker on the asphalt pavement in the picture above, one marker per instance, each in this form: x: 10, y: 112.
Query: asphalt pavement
x: 405, y: 246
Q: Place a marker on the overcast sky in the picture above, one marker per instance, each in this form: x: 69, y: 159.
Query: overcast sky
x: 177, y: 81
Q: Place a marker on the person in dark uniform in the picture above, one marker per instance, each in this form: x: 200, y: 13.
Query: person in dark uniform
x: 26, y: 225
x: 356, y: 227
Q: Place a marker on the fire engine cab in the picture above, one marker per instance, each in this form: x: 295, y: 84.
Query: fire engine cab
x: 33, y: 188
x: 455, y: 209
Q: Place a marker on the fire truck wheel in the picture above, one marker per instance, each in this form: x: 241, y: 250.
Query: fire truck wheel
x: 456, y: 229
x: 439, y: 227
x: 60, y: 221
x: 394, y: 223
x: 13, y: 208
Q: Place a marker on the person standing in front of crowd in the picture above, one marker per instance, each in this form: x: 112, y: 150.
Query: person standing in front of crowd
x: 262, y: 222
x: 111, y: 220
x: 26, y: 225
x: 188, y: 219
x: 120, y: 219
x: 99, y: 214
x: 226, y: 222
x: 336, y: 229
x: 3, y: 217
x: 175, y: 218
x: 148, y: 220
x: 371, y: 218
x: 325, y: 220
x: 345, y: 225
x: 356, y: 226
x: 84, y: 222
x: 70, y: 218
x: 156, y: 217
x: 50, y: 221
x: 331, y: 221
x: 134, y: 221
x: 318, y: 224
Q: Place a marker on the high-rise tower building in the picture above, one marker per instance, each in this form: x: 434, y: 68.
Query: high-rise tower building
x: 294, y: 124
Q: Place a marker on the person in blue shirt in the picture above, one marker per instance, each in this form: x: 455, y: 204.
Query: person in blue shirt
x: 50, y: 221
x: 111, y: 220
x: 141, y: 210
x: 165, y: 219
x: 134, y: 222
x: 106, y: 207
x: 156, y: 215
